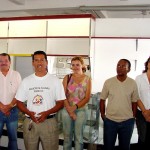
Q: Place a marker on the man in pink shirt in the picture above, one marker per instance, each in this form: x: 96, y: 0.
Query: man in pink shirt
x: 9, y: 81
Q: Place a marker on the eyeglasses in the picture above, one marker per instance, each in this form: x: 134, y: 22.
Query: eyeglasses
x: 123, y: 66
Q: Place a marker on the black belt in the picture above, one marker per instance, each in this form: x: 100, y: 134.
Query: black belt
x: 48, y: 117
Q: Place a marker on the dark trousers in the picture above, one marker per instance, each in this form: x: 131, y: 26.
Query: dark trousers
x: 122, y: 129
x: 143, y: 128
x: 147, y: 139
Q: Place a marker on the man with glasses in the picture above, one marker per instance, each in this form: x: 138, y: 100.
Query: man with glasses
x: 122, y: 94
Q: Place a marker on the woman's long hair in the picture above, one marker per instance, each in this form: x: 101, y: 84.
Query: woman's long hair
x: 146, y: 65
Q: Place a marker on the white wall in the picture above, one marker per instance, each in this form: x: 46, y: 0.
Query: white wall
x: 122, y: 27
x: 107, y: 51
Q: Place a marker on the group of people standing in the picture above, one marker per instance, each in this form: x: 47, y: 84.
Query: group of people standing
x: 41, y: 95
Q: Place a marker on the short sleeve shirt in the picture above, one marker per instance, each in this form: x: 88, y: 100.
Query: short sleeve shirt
x: 41, y: 93
x: 120, y: 97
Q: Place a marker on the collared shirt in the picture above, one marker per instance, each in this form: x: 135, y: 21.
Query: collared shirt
x: 9, y: 85
x: 144, y: 89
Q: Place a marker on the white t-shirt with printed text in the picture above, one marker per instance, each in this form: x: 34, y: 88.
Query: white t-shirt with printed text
x: 41, y: 93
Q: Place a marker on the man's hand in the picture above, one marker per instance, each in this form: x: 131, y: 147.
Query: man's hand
x: 5, y: 109
x: 41, y: 117
x: 103, y: 116
x: 32, y: 116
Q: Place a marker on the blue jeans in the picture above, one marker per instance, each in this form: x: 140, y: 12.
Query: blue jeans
x: 74, y: 129
x: 124, y: 131
x: 11, y: 122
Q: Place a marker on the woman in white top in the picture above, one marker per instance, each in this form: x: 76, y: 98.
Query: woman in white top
x: 143, y: 126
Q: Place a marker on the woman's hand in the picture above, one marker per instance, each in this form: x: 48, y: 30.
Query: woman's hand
x: 73, y: 116
x: 146, y: 115
x: 71, y: 109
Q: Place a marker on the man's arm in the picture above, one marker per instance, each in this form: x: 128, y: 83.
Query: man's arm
x: 102, y: 108
x: 59, y: 105
x: 24, y: 109
x: 134, y: 108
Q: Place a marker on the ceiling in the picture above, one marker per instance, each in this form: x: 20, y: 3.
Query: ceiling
x: 99, y: 8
